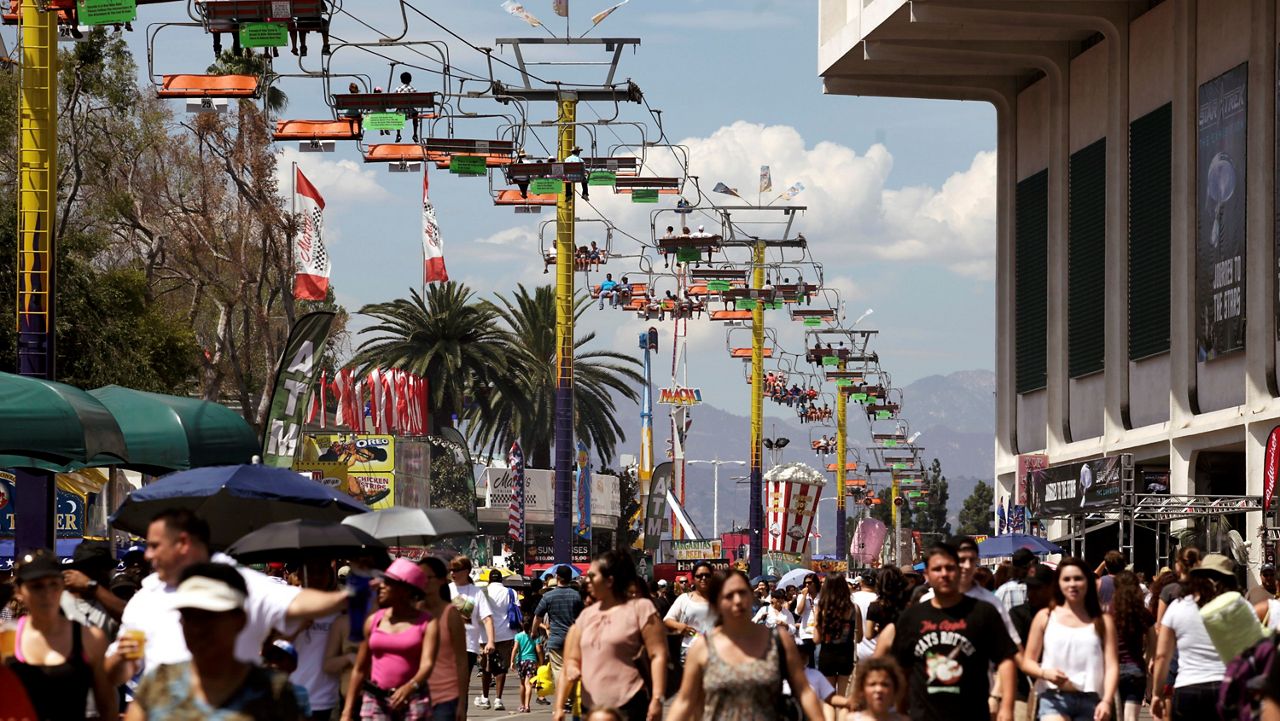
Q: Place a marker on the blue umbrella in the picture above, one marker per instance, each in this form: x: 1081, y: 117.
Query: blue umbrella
x: 235, y: 500
x: 1005, y: 545
x: 552, y: 571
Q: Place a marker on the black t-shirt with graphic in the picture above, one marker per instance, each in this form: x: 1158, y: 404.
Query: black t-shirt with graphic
x: 946, y: 653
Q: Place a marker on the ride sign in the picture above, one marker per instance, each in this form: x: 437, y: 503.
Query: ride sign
x: 467, y: 165
x: 264, y: 35
x: 546, y: 186
x: 644, y: 195
x: 107, y: 12
x: 384, y: 121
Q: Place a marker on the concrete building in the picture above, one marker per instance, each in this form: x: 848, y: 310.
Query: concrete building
x: 1136, y: 218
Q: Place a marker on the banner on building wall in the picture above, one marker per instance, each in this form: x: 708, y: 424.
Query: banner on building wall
x: 1075, y: 488
x: 1221, y: 213
x: 1027, y: 462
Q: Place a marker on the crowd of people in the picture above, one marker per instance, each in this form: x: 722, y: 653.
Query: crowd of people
x: 185, y: 633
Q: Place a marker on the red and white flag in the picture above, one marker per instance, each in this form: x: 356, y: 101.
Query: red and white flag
x: 311, y: 260
x: 433, y: 270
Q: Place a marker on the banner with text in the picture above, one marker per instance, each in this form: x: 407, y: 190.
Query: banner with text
x: 1221, y: 213
x: 1077, y: 487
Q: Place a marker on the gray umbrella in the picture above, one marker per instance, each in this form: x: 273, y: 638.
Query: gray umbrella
x: 412, y: 526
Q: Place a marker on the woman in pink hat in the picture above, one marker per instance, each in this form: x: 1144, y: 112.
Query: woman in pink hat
x: 398, y: 652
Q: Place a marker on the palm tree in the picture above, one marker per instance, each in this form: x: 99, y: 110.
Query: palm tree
x: 531, y: 322
x: 231, y: 63
x: 454, y: 343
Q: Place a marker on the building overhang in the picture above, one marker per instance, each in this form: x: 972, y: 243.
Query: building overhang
x: 957, y: 49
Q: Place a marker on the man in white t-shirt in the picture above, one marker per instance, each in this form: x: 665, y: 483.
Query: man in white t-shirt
x: 863, y: 599
x: 311, y: 644
x: 477, y: 614
x: 176, y: 540
x: 493, y: 667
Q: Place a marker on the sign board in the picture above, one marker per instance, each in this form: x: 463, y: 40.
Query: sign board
x: 656, y: 507
x: 602, y: 177
x: 546, y: 186
x: 717, y: 564
x: 264, y: 35
x: 1027, y: 462
x: 688, y: 255
x: 69, y: 514
x: 546, y: 553
x: 644, y: 195
x: 383, y: 121
x: 679, y: 396
x: 704, y: 549
x: 539, y: 493
x: 1076, y: 488
x: 107, y: 12
x: 812, y: 322
x: 1270, y: 467
x: 370, y: 462
x: 467, y: 165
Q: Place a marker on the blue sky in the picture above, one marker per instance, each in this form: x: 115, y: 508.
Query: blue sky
x: 901, y: 193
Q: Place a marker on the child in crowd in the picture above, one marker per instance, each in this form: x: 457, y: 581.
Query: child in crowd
x: 283, y: 657
x: 878, y: 689
x: 526, y: 656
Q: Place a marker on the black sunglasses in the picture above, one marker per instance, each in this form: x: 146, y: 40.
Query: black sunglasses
x: 701, y: 576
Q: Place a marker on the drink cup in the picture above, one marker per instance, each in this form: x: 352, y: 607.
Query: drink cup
x: 139, y: 636
x: 8, y: 637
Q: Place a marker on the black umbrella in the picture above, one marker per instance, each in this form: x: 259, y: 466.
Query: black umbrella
x: 302, y: 540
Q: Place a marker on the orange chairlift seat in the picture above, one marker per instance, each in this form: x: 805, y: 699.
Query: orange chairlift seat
x: 340, y: 129
x: 303, y: 14
x: 208, y: 86
x: 526, y: 171
x: 623, y: 166
x: 729, y: 274
x: 664, y: 186
x: 746, y: 352
x: 834, y: 375
x: 826, y: 314
x: 701, y: 290
x: 442, y: 160
x: 727, y: 315
x: 394, y: 153
x: 636, y: 289
x: 850, y: 466
x: 512, y: 197
x: 466, y: 146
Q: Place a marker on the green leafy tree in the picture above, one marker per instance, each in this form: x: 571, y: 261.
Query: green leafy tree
x: 447, y: 338
x: 931, y: 520
x: 530, y: 320
x: 977, y: 512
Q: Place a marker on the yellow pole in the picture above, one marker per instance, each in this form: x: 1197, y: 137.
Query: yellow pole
x: 841, y: 448
x: 37, y: 191
x: 565, y: 250
x: 756, y: 513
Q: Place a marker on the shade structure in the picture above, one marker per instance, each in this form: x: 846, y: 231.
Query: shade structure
x: 412, y: 526
x: 551, y: 571
x: 1005, y: 545
x: 56, y: 427
x: 171, y: 433
x: 301, y: 540
x: 794, y: 577
x: 235, y: 500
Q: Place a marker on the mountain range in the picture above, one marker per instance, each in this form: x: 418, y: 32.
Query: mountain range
x: 954, y: 414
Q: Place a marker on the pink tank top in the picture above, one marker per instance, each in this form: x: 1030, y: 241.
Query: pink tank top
x: 396, y: 656
x: 443, y: 681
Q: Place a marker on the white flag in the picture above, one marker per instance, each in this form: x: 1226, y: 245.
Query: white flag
x: 561, y: 7
x: 433, y: 270
x: 311, y: 261
x: 600, y: 16
x: 793, y: 191
x: 766, y: 180
x: 518, y: 10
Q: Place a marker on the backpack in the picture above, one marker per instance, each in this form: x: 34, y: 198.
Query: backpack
x: 515, y: 617
x: 1240, y: 695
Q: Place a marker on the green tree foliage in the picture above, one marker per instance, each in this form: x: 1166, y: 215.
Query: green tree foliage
x: 977, y: 512
x: 530, y: 321
x: 932, y: 521
x: 448, y: 338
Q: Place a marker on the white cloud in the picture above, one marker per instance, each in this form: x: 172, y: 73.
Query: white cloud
x: 340, y: 182
x: 521, y: 235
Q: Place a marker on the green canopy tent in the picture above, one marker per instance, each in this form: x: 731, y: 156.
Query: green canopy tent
x: 172, y: 433
x: 55, y: 427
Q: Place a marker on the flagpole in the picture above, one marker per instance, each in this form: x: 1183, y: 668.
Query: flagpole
x: 422, y: 240
x: 293, y: 227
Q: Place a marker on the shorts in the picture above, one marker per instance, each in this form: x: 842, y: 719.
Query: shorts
x: 527, y: 669
x: 445, y: 710
x: 472, y: 657
x: 1073, y: 706
x: 373, y: 708
x: 835, y: 659
x: 495, y: 663
x: 1133, y: 683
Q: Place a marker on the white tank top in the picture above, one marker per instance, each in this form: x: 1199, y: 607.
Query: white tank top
x: 1076, y: 652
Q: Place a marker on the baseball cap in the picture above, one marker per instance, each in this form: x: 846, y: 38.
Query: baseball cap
x: 662, y: 583
x: 407, y: 572
x: 1216, y: 563
x: 36, y: 565
x: 207, y: 594
x: 92, y: 555
x: 286, y: 648
x: 857, y: 580
x: 344, y: 572
x: 1022, y: 558
x: 1268, y: 567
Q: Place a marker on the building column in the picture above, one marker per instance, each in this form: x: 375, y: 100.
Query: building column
x: 1058, y: 410
x: 1182, y: 371
x: 1117, y: 269
x: 1260, y: 272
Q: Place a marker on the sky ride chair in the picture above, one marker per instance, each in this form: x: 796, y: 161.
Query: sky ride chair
x: 203, y: 93
x: 231, y: 16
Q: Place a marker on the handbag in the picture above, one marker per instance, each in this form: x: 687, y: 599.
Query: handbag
x: 787, y: 707
x: 515, y: 617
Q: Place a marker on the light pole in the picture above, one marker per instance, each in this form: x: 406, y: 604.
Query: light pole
x: 775, y: 445
x: 817, y: 522
x: 715, y: 492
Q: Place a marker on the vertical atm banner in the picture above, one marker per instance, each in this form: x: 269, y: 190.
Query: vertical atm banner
x: 1221, y: 210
